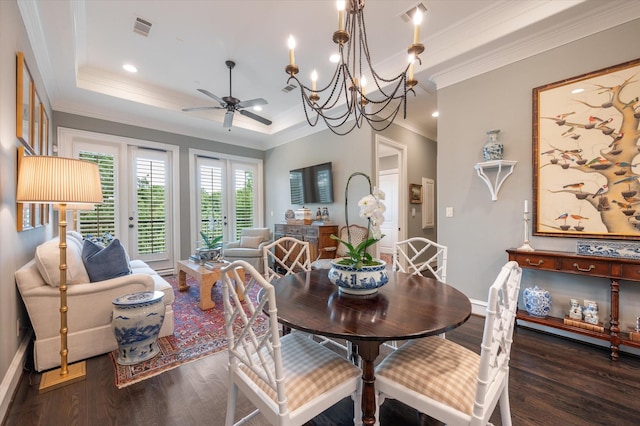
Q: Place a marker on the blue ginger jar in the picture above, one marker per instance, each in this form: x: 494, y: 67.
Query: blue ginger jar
x: 537, y: 301
x: 493, y: 150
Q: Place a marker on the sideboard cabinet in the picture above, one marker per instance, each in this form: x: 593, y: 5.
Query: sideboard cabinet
x: 615, y: 269
x: 318, y: 236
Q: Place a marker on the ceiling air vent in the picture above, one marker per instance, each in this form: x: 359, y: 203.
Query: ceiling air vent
x: 408, y: 15
x: 142, y: 27
x: 288, y: 88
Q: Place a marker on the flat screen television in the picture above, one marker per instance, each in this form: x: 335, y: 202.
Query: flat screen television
x: 313, y: 184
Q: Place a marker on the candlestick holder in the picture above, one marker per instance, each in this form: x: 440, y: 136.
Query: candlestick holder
x: 526, y: 246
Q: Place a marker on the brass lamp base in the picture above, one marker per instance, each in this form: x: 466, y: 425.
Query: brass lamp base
x: 54, y: 379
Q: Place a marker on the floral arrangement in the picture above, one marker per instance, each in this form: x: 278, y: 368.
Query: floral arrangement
x: 372, y: 208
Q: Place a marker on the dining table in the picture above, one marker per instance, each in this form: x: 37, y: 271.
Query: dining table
x: 407, y: 307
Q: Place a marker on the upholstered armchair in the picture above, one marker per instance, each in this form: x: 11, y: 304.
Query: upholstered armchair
x: 249, y: 247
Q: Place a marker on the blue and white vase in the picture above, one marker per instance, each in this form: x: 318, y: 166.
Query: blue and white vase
x: 537, y: 301
x: 136, y: 321
x: 365, y: 280
x: 493, y: 150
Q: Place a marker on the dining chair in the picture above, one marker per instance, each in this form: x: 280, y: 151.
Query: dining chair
x: 285, y: 256
x: 356, y: 233
x: 449, y: 382
x: 289, y: 379
x: 420, y: 256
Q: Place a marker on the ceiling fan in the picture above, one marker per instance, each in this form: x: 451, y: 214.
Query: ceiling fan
x: 232, y: 104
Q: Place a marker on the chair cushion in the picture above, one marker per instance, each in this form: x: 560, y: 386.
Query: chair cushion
x: 47, y: 259
x: 250, y: 241
x: 103, y: 263
x: 309, y: 368
x: 436, y: 368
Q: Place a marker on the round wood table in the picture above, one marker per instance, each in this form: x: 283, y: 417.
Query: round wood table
x: 406, y: 307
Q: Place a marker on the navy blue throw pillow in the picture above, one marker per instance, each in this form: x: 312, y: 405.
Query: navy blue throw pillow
x: 103, y: 263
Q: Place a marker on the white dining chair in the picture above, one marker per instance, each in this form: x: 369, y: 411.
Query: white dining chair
x: 419, y: 256
x: 289, y: 379
x: 449, y: 382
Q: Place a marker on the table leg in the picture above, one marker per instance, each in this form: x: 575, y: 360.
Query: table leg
x: 240, y: 291
x: 368, y: 352
x: 182, y: 280
x: 206, y: 284
x: 615, y: 324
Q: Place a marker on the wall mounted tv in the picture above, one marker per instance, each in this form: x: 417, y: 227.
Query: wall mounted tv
x: 313, y: 184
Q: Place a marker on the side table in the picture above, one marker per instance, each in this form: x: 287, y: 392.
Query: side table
x: 206, y: 279
x: 136, y: 322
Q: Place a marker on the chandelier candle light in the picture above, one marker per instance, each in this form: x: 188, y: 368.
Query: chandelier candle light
x: 348, y: 82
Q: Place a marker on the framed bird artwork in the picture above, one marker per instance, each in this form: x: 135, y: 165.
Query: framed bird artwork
x: 586, y: 155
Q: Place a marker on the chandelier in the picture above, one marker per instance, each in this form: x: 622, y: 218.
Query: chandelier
x: 348, y: 85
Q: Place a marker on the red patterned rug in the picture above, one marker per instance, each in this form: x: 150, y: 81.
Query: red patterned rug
x: 197, y: 334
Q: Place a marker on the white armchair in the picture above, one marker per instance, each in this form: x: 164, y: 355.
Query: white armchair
x: 249, y: 247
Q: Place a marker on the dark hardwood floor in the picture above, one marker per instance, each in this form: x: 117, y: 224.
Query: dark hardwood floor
x: 553, y: 382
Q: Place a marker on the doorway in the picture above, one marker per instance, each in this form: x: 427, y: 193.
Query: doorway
x: 391, y: 175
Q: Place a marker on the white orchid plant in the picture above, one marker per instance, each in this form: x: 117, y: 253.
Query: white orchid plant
x: 371, y: 208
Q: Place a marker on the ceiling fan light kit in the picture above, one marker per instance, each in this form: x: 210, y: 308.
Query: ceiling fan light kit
x: 232, y: 104
x: 348, y: 84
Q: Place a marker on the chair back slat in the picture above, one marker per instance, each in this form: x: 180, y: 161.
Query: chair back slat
x: 498, y: 334
x: 258, y: 353
x: 285, y: 256
x: 418, y: 255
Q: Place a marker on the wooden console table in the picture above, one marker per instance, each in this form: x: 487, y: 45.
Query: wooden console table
x: 615, y: 269
x: 318, y: 236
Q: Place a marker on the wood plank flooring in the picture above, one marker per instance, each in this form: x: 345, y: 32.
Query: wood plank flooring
x: 553, y: 381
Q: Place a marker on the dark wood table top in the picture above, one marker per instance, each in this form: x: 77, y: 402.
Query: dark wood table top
x: 406, y: 307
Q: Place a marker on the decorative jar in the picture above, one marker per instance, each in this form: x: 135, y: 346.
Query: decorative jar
x: 363, y: 280
x: 305, y: 215
x: 493, y: 150
x: 136, y: 322
x: 537, y: 301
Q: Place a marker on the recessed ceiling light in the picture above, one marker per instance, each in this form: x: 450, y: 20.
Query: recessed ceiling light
x: 257, y: 108
x: 130, y: 68
x: 335, y: 58
x: 579, y: 90
x: 435, y: 114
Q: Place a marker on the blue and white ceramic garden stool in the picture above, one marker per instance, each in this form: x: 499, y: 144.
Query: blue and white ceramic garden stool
x: 136, y: 322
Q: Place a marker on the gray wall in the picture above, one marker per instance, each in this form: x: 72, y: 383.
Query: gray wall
x: 17, y: 247
x: 72, y: 121
x: 481, y: 230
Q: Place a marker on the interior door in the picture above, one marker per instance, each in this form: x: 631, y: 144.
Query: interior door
x: 388, y: 182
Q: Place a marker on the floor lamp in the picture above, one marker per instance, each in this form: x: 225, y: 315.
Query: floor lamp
x: 59, y: 180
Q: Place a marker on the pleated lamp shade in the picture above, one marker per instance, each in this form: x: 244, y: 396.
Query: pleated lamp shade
x: 45, y: 179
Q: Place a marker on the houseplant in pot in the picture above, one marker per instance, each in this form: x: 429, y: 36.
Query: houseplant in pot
x: 358, y: 272
x: 212, y: 246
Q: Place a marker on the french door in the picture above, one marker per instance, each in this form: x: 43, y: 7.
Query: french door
x: 226, y: 196
x: 139, y: 186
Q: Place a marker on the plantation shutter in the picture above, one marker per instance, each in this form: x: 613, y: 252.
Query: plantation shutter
x: 102, y: 218
x: 243, y: 179
x: 151, y: 205
x: 210, y: 203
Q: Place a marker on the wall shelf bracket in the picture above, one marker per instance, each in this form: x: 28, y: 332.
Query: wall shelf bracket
x: 501, y: 166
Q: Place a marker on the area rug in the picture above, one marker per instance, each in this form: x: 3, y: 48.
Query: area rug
x: 197, y: 334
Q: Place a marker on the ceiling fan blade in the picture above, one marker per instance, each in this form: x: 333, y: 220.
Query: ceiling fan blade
x: 252, y: 102
x: 255, y: 117
x: 212, y: 96
x: 206, y: 108
x: 228, y: 119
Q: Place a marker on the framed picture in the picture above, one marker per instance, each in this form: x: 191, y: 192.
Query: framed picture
x: 415, y: 193
x: 586, y: 161
x: 24, y: 85
x: 35, y: 123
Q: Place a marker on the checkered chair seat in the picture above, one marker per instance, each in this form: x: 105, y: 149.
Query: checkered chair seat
x: 434, y: 368
x: 309, y: 370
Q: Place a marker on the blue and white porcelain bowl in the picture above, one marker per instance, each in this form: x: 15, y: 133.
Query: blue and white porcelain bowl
x: 537, y: 301
x: 366, y: 280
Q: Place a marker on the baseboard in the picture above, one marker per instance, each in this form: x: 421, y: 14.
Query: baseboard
x: 478, y: 307
x: 14, y: 373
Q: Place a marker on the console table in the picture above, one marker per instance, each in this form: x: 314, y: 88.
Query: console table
x: 318, y: 236
x: 615, y: 269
